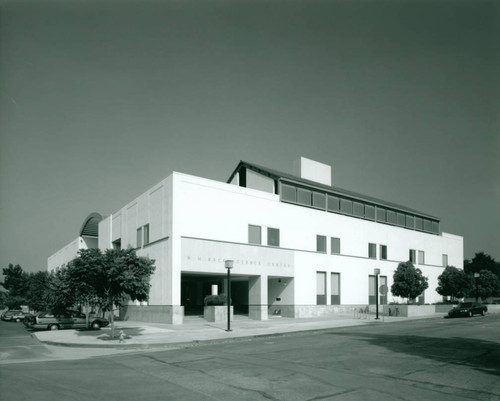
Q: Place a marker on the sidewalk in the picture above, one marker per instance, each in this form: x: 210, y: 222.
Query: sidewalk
x: 195, y: 329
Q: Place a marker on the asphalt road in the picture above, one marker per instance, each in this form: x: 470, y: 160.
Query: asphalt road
x: 430, y: 359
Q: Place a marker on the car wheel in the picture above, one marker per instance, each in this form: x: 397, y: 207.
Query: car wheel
x: 18, y: 320
x: 470, y: 313
x: 53, y: 327
x: 96, y: 325
x: 482, y: 313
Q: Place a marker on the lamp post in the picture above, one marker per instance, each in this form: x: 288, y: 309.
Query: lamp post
x: 229, y: 265
x: 476, y: 277
x: 377, y: 272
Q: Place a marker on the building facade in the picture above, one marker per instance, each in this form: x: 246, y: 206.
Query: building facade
x: 300, y: 246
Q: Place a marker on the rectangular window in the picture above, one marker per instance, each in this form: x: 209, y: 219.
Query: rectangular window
x: 146, y: 234
x: 410, y: 222
x: 319, y: 200
x: 413, y: 256
x: 401, y: 221
x: 320, y: 288
x: 391, y: 217
x: 421, y: 258
x: 346, y: 206
x: 371, y: 289
x: 383, y: 252
x: 435, y: 227
x: 372, y: 251
x: 304, y: 197
x: 419, y: 224
x: 335, y: 289
x: 273, y: 236
x: 139, y: 237
x: 335, y: 245
x: 117, y: 244
x: 369, y: 212
x: 333, y: 204
x: 288, y: 193
x: 359, y: 209
x: 321, y: 243
x: 427, y: 225
x: 381, y: 215
x: 445, y: 260
x: 254, y: 234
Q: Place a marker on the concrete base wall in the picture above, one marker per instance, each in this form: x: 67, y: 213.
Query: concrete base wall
x: 169, y: 314
x: 216, y: 314
x: 308, y: 311
x: 409, y: 310
x: 258, y: 312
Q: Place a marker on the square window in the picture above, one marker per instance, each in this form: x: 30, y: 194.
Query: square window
x: 321, y: 243
x: 304, y: 196
x: 401, y: 220
x: 410, y: 221
x: 359, y: 209
x: 391, y: 217
x: 372, y: 251
x: 381, y: 215
x: 319, y: 200
x: 369, y: 212
x: 333, y: 204
x: 419, y: 223
x: 288, y: 193
x: 383, y: 252
x: 335, y: 245
x: 346, y: 206
x: 254, y: 234
x: 273, y: 236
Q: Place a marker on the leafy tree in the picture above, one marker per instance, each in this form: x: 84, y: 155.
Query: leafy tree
x: 482, y: 261
x: 3, y: 298
x: 408, y: 282
x: 453, y: 282
x: 14, y: 302
x: 37, y: 289
x: 111, y: 278
x: 58, y: 296
x: 16, y: 281
x: 486, y: 285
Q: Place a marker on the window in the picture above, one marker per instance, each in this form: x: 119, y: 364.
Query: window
x: 401, y: 219
x: 369, y: 212
x: 288, y: 193
x: 372, y: 251
x: 321, y: 243
x: 319, y: 200
x: 335, y: 245
x: 383, y: 252
x: 359, y: 209
x: 273, y: 236
x: 391, y: 217
x: 372, y: 290
x: 445, y: 260
x: 381, y: 214
x: 419, y: 223
x: 304, y: 196
x: 146, y: 234
x: 139, y: 237
x: 254, y: 235
x: 413, y: 256
x: 333, y: 204
x: 346, y: 206
x: 117, y: 244
x: 410, y: 221
x: 335, y: 289
x: 427, y: 225
x: 320, y: 288
x: 421, y: 258
x: 435, y: 227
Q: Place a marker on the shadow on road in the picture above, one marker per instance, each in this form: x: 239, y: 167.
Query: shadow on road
x: 477, y: 354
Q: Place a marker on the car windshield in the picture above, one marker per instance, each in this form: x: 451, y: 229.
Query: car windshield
x: 466, y: 305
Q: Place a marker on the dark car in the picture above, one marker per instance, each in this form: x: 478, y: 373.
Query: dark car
x: 468, y: 309
x: 66, y: 320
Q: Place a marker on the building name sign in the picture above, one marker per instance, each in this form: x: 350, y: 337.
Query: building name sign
x: 241, y: 262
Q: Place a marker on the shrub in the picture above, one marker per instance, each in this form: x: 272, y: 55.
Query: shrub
x: 215, y: 300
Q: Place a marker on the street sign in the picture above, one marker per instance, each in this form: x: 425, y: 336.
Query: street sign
x: 383, y: 289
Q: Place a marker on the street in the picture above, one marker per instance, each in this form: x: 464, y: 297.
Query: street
x: 428, y: 359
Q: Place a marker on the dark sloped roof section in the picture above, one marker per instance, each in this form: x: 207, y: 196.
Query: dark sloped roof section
x: 286, y: 177
x: 90, y: 226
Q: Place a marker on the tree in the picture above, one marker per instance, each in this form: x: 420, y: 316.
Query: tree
x: 58, y: 295
x: 408, y: 282
x: 110, y: 278
x: 482, y: 261
x: 453, y: 282
x: 484, y: 286
x: 16, y: 281
x: 37, y: 289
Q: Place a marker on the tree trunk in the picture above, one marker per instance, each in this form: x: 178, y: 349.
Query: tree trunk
x: 112, y: 319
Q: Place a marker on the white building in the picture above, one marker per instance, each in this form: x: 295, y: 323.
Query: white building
x: 300, y: 246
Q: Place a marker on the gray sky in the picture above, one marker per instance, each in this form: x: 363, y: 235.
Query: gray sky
x: 101, y: 100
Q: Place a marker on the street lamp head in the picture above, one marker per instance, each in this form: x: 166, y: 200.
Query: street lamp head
x: 376, y: 271
x: 228, y: 264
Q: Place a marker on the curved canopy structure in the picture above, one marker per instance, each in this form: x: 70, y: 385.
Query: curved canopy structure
x: 90, y: 227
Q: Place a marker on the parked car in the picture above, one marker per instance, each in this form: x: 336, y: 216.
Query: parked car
x: 468, y: 309
x: 9, y: 315
x: 66, y: 320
